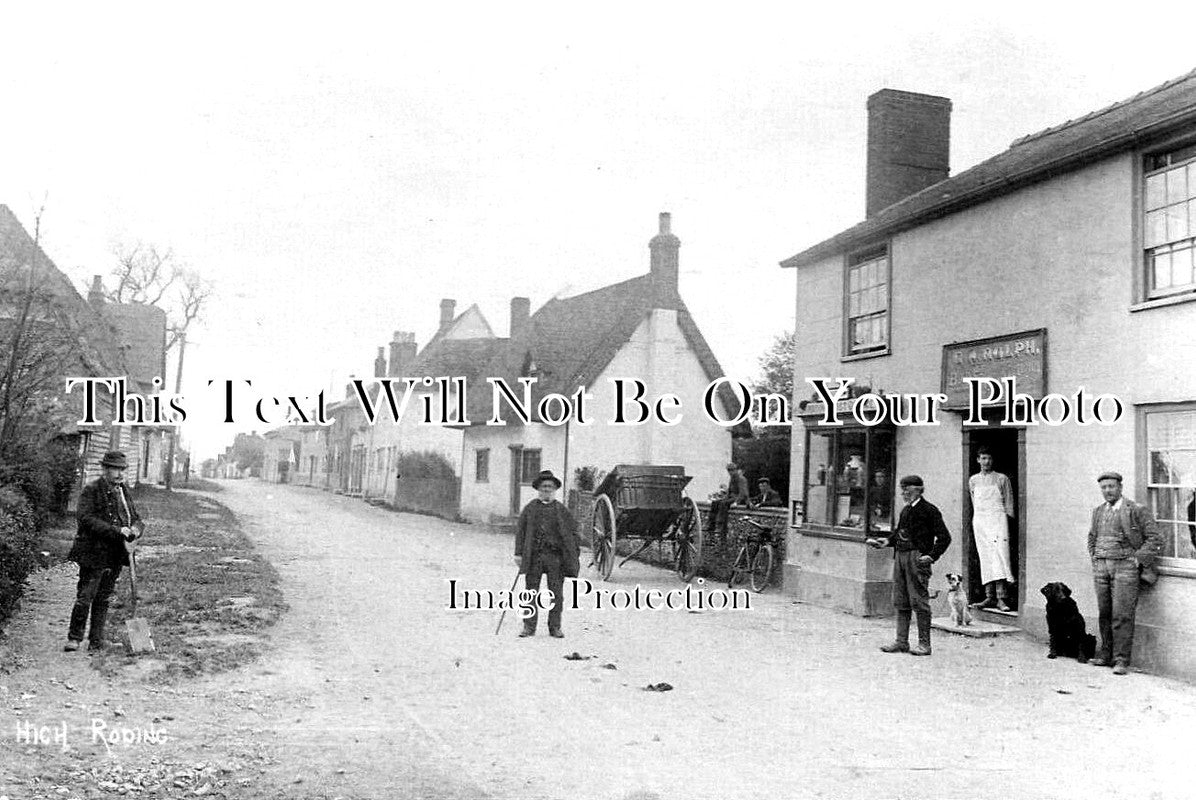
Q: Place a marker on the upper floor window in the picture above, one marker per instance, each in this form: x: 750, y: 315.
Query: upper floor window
x: 868, y: 302
x: 1170, y: 229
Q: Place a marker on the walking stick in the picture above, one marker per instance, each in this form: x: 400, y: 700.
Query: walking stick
x: 504, y: 611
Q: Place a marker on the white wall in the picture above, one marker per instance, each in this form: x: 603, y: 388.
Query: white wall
x: 1059, y: 255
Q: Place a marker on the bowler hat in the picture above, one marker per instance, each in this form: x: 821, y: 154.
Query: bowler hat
x: 1110, y: 475
x: 546, y: 475
x: 911, y: 480
x: 115, y: 459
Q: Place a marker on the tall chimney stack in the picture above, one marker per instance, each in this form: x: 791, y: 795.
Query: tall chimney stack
x: 665, y: 262
x: 402, y: 354
x: 909, y: 143
x: 380, y: 363
x: 447, y: 312
x: 521, y: 309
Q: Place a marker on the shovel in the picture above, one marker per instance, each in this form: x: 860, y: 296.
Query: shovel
x: 136, y: 628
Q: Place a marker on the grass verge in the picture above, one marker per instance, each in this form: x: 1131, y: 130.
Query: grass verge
x: 208, y: 596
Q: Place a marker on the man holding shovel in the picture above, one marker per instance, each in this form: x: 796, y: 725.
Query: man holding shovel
x: 107, y: 520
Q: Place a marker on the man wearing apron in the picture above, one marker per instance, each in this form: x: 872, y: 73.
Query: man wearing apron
x: 992, y: 511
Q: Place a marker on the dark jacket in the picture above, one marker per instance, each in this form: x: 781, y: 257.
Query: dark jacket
x: 565, y: 529
x: 98, y: 542
x: 769, y: 498
x: 924, y: 525
x: 1141, y: 531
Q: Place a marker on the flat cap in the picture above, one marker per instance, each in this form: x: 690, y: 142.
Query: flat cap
x: 911, y: 480
x: 1110, y: 475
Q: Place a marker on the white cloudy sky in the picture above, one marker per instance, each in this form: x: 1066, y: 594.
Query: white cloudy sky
x: 336, y: 170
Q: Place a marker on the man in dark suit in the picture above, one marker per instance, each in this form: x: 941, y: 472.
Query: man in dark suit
x: 546, y: 545
x: 920, y: 539
x: 107, y: 519
x: 1123, y: 541
x: 768, y: 497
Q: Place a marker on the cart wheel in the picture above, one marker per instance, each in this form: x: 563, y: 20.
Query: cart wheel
x: 762, y: 568
x: 602, y: 538
x: 687, y: 542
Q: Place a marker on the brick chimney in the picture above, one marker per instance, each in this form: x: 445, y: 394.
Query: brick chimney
x: 447, y: 312
x: 402, y: 354
x: 909, y: 142
x: 521, y: 309
x: 665, y: 259
x: 380, y: 363
x: 95, y: 296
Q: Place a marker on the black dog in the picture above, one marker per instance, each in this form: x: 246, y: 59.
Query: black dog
x: 1065, y: 623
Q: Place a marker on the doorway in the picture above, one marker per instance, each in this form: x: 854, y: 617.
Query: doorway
x: 1007, y: 447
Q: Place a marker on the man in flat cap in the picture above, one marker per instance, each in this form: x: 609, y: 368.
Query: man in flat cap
x: 920, y: 539
x: 107, y: 519
x: 1123, y: 542
x: 546, y: 545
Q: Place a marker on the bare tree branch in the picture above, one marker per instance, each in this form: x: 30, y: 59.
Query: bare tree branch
x: 145, y: 274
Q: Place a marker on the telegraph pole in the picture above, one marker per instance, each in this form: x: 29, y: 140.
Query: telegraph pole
x: 174, y: 433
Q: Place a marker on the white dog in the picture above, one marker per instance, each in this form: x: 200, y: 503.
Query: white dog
x: 957, y: 602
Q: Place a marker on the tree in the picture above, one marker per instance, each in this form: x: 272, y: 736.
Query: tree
x: 776, y: 366
x: 41, y: 340
x: 146, y: 274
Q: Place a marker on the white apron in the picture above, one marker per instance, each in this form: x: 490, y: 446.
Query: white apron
x: 990, y: 528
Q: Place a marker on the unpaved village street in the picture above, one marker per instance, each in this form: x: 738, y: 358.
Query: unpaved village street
x: 372, y: 688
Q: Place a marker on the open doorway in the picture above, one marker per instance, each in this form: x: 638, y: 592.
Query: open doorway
x: 1006, y: 446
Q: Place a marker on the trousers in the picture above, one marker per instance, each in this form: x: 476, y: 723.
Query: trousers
x: 1116, y: 583
x: 92, y: 596
x: 547, y: 564
x: 911, y: 582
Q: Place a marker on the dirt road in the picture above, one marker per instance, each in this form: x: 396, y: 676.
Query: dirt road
x: 375, y: 689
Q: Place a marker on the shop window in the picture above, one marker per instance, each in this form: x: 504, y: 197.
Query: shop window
x: 1171, y: 477
x: 849, y: 478
x: 482, y: 465
x: 867, y: 302
x: 1169, y: 229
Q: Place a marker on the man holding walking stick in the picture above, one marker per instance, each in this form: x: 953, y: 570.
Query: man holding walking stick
x: 546, y: 545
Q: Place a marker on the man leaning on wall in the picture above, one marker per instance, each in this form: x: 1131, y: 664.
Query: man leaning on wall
x: 1123, y: 542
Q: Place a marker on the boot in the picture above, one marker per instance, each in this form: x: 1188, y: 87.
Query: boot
x: 923, y: 647
x: 1002, y: 594
x: 990, y: 596
x: 95, y: 634
x: 901, y: 643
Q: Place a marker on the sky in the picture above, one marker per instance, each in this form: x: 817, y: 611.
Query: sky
x: 334, y: 173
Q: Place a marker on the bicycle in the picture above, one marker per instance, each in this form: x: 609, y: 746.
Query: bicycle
x: 755, y: 557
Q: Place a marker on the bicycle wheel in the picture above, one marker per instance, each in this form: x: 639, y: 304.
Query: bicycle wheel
x: 762, y: 568
x: 602, y: 538
x: 739, y: 568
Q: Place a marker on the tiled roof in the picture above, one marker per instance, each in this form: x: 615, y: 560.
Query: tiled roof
x: 569, y: 342
x: 1048, y: 153
x: 100, y: 353
x: 142, y: 330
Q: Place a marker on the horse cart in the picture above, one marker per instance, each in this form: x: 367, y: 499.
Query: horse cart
x: 647, y: 503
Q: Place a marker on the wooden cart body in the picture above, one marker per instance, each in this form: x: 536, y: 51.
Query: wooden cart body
x: 646, y: 502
